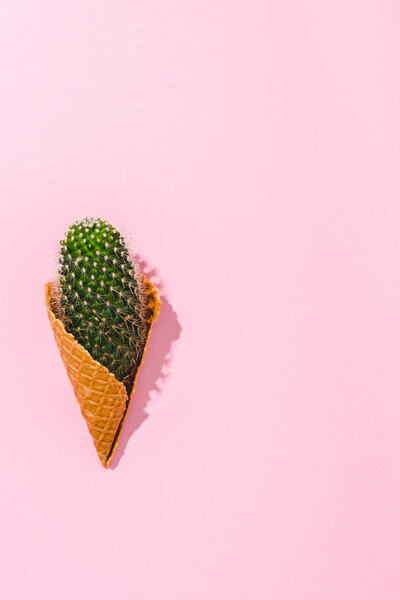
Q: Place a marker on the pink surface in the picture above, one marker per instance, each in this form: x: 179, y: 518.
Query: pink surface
x: 252, y: 151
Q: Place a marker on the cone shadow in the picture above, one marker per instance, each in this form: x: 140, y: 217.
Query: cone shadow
x: 155, y: 368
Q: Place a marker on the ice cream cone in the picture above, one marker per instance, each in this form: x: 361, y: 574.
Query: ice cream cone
x: 103, y: 399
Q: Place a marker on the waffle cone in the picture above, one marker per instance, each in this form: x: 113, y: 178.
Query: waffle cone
x: 103, y: 399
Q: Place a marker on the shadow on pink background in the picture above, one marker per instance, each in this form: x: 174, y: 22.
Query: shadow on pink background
x: 154, y: 370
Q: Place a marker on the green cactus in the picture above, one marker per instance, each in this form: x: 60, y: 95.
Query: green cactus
x: 101, y: 297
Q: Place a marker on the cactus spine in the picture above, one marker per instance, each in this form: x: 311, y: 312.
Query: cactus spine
x: 101, y: 297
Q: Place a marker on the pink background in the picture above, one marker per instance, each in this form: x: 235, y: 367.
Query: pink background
x: 251, y: 149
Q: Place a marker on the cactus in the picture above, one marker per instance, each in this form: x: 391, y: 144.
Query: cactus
x: 101, y: 297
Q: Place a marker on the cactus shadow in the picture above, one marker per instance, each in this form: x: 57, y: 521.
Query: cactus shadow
x: 155, y: 367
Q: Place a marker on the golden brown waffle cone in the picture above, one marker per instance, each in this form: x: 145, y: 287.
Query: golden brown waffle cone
x: 103, y: 399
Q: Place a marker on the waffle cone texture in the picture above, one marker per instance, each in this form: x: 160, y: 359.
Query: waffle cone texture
x: 103, y: 399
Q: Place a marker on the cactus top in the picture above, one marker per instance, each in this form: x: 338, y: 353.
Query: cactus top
x: 101, y: 296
